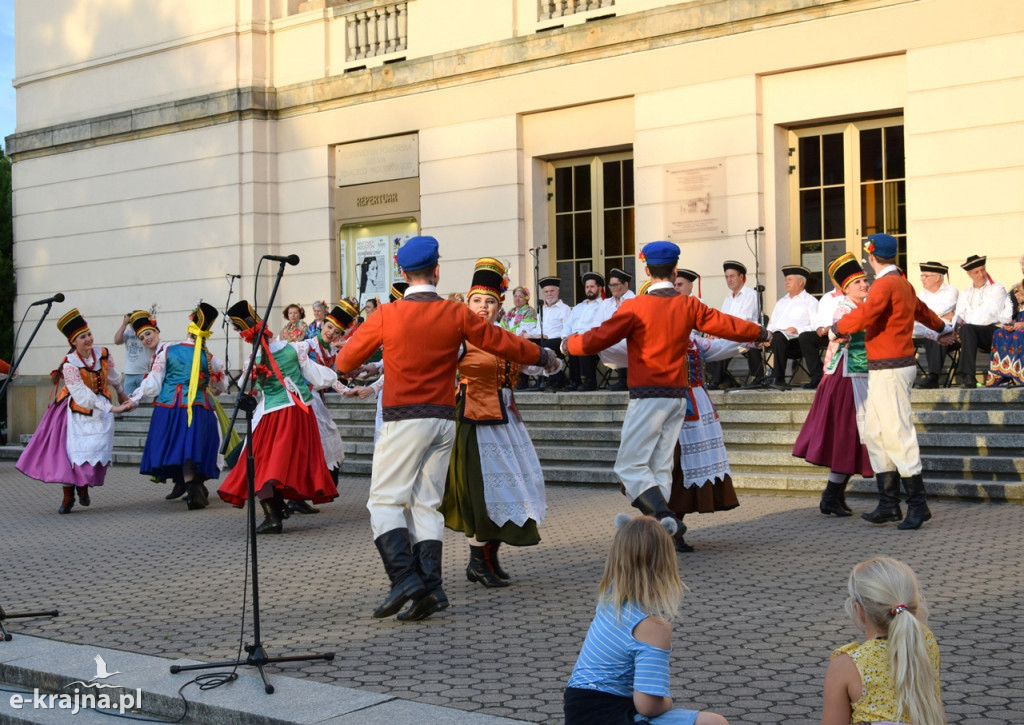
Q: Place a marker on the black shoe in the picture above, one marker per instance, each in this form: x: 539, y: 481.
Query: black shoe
x: 69, y: 500
x: 428, y: 564
x: 480, y: 570
x: 271, y: 518
x: 177, y: 492
x: 301, y: 507
x: 197, y: 497
x: 917, y: 504
x: 400, y: 565
x: 755, y: 383
x: 680, y: 543
x: 491, y: 554
x: 888, y: 508
x: 966, y: 381
x: 619, y: 386
x: 571, y: 388
x: 832, y: 499
x: 83, y: 495
x: 812, y: 384
x: 930, y: 382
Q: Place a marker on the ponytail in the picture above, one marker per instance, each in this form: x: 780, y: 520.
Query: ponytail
x: 888, y: 593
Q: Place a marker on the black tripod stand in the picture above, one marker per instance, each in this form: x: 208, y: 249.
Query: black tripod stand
x: 762, y: 319
x: 258, y: 657
x: 6, y: 636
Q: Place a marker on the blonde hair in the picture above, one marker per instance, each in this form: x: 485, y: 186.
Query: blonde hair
x: 641, y: 568
x: 887, y: 591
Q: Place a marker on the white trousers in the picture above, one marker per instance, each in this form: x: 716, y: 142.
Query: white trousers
x: 649, y: 436
x: 410, y: 466
x: 889, y: 432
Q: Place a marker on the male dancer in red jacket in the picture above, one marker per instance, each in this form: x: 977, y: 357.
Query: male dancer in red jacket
x: 421, y: 335
x: 888, y: 315
x: 657, y: 328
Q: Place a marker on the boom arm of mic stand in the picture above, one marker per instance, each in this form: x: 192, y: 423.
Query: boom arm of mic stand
x: 14, y: 367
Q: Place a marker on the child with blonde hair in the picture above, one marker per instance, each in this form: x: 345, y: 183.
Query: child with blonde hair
x: 621, y: 675
x: 893, y: 676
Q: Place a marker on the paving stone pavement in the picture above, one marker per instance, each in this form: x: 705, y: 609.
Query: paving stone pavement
x: 764, y: 608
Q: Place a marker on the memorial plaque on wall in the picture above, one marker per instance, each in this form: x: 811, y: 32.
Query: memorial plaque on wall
x: 695, y: 200
x: 382, y: 159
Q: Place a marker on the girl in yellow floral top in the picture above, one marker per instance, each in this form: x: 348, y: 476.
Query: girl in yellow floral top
x: 893, y: 676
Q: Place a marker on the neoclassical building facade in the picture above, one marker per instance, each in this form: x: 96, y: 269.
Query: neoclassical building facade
x: 162, y: 147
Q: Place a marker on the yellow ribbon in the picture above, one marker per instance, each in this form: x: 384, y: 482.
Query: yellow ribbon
x: 197, y: 356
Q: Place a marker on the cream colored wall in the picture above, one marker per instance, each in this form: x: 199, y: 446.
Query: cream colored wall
x: 965, y: 154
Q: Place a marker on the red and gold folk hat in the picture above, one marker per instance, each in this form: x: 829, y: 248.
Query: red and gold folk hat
x: 489, y: 279
x: 343, y: 314
x: 141, y: 321
x: 844, y: 270
x: 72, y: 324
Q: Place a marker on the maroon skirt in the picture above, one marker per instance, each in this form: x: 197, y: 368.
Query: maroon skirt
x: 829, y: 436
x: 288, y: 456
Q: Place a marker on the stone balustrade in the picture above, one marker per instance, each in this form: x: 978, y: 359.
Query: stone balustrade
x: 376, y: 31
x: 548, y: 9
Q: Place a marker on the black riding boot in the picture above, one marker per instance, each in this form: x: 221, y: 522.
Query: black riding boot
x: 428, y: 563
x: 69, y: 500
x: 480, y: 570
x: 271, y: 517
x: 833, y: 498
x: 917, y: 504
x: 680, y: 543
x: 888, y: 508
x: 652, y: 503
x: 83, y: 495
x: 396, y: 553
x: 196, y: 496
x: 491, y: 554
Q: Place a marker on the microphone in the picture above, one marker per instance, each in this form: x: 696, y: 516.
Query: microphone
x: 233, y: 276
x: 292, y: 259
x: 758, y: 229
x: 59, y: 297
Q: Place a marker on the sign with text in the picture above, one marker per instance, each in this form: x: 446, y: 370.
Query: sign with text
x: 384, y: 199
x: 695, y: 201
x: 382, y: 159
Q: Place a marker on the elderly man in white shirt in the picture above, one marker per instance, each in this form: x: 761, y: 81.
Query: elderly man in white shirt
x: 941, y: 298
x: 979, y: 309
x: 794, y: 313
x: 740, y: 302
x: 551, y: 317
x: 616, y: 355
x: 813, y: 342
x: 585, y: 316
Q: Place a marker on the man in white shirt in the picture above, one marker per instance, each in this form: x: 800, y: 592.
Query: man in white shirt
x: 551, y: 317
x: 585, y: 316
x: 941, y: 297
x: 813, y: 342
x: 618, y: 283
x: 979, y: 309
x: 684, y: 282
x: 794, y: 313
x: 740, y: 302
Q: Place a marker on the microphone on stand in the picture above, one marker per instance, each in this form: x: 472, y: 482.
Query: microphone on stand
x: 292, y: 259
x: 233, y: 276
x: 758, y: 229
x: 59, y: 297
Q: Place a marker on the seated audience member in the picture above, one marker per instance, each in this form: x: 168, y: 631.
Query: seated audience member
x: 618, y: 284
x: 979, y: 310
x: 684, y: 282
x: 585, y: 316
x: 740, y: 302
x: 1007, y: 362
x: 551, y: 318
x: 794, y: 313
x: 940, y: 296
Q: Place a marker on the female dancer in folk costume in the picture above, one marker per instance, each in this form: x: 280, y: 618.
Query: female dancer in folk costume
x: 323, y: 351
x: 701, y: 477
x: 495, y: 488
x: 288, y: 455
x: 74, y: 442
x: 831, y: 432
x: 184, y: 433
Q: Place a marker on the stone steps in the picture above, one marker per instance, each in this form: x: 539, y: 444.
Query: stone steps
x: 970, y: 440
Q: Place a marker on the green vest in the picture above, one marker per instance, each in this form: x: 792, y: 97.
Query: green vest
x: 274, y: 395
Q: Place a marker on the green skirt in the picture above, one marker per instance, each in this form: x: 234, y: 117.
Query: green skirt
x: 463, y: 503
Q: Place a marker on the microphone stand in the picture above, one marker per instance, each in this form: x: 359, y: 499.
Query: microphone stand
x: 762, y: 320
x: 257, y: 654
x: 535, y: 253
x: 4, y: 634
x: 225, y: 323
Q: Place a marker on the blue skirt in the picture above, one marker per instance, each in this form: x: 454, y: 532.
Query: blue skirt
x: 172, y: 442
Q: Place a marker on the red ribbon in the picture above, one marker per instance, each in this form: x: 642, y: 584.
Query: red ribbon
x: 248, y: 335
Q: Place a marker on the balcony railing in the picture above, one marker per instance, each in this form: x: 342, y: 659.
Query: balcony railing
x: 548, y: 9
x: 376, y: 31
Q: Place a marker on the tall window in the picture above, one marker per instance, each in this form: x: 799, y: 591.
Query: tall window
x: 849, y: 183
x: 591, y: 207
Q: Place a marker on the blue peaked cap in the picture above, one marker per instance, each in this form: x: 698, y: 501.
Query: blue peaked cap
x: 881, y: 245
x: 660, y: 253
x: 418, y: 253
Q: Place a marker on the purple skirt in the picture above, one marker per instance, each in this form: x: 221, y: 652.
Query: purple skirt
x: 829, y: 436
x: 45, y: 458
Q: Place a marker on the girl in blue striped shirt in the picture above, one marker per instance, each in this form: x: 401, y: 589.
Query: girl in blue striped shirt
x: 621, y: 675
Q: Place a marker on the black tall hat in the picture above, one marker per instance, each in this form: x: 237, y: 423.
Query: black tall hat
x: 243, y: 316
x: 343, y: 314
x: 203, y: 315
x: 397, y: 291
x: 72, y: 324
x: 141, y: 321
